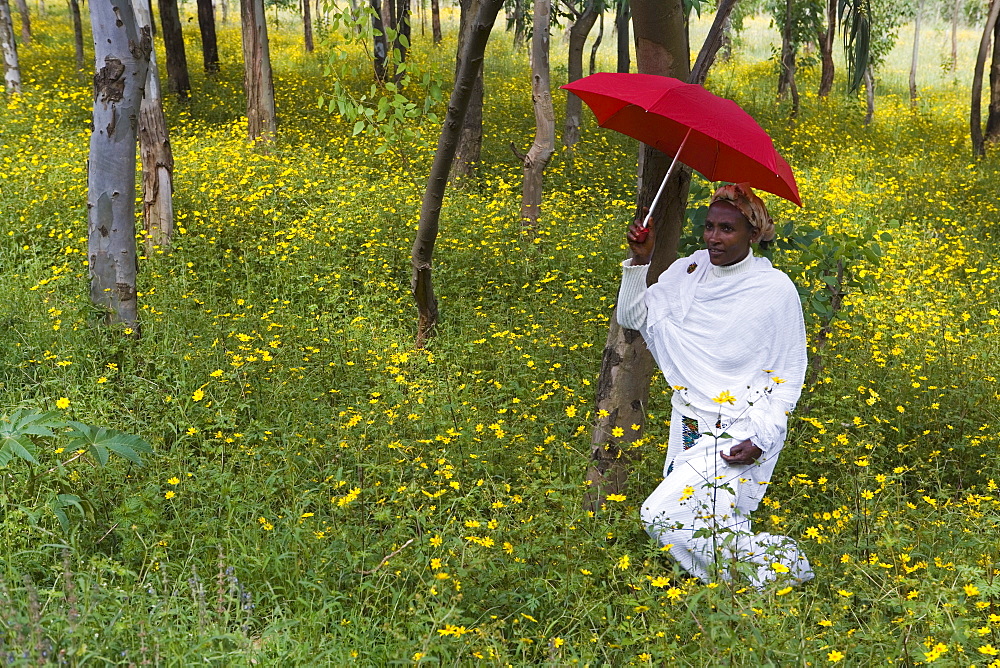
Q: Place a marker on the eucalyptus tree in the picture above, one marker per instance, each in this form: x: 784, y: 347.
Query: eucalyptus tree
x: 470, y: 141
x: 623, y: 16
x: 993, y: 119
x: 178, y: 81
x: 74, y: 6
x: 307, y: 27
x: 975, y: 111
x: 543, y: 147
x: 258, y: 79
x: 8, y: 46
x: 583, y: 14
x: 422, y: 253
x: 154, y: 149
x: 209, y: 42
x: 22, y: 10
x: 121, y: 54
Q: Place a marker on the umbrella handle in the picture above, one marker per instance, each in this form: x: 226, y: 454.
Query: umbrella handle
x: 666, y: 177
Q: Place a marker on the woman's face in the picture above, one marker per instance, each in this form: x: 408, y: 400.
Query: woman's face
x: 727, y: 234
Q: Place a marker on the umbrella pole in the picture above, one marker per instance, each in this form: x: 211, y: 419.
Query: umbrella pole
x: 666, y: 177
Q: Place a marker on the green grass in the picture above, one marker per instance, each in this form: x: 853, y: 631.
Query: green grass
x: 300, y: 439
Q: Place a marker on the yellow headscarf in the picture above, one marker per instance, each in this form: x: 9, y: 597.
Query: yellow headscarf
x: 743, y: 198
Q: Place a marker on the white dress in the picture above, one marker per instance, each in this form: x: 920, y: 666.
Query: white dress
x: 731, y: 333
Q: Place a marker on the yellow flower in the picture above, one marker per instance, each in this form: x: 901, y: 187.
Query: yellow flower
x: 623, y: 562
x: 971, y: 590
x: 660, y: 582
x: 62, y: 403
x: 779, y: 568
x: 835, y: 656
x: 570, y: 411
x: 725, y: 398
x: 169, y: 495
x: 989, y: 650
x: 436, y: 541
x: 174, y: 481
x: 617, y: 432
x: 782, y: 592
x: 198, y: 395
x: 616, y: 497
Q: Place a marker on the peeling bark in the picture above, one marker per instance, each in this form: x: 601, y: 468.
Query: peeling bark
x: 121, y: 51
x: 545, y: 117
x: 8, y: 48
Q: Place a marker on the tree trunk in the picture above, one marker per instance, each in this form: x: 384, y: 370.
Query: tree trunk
x: 786, y: 63
x: 993, y: 118
x: 727, y: 39
x: 545, y: 116
x: 597, y: 43
x: 916, y: 51
x: 178, y: 81
x: 470, y: 143
x: 713, y: 42
x: 578, y: 33
x: 121, y: 54
x: 975, y: 112
x: 430, y: 209
x: 22, y: 9
x: 623, y: 16
x: 380, y: 47
x: 307, y: 26
x: 402, y: 27
x: 954, y: 34
x: 869, y: 79
x: 11, y: 68
x: 257, y: 77
x: 209, y: 44
x: 626, y: 368
x: 74, y: 6
x: 826, y: 40
x: 436, y: 21
x: 154, y: 148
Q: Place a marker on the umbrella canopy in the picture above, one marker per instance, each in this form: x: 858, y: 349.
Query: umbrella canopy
x: 723, y: 142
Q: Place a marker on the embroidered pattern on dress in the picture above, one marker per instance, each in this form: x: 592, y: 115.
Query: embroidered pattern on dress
x: 690, y: 432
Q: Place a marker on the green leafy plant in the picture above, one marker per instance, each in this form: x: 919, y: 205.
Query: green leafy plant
x: 19, y: 436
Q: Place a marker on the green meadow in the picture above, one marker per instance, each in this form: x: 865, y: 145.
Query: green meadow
x: 321, y: 492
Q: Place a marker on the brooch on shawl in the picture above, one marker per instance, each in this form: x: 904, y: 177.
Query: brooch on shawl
x: 692, y: 267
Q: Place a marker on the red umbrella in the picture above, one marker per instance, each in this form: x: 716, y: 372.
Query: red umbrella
x: 718, y: 138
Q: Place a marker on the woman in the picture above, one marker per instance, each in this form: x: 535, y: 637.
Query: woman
x: 726, y: 329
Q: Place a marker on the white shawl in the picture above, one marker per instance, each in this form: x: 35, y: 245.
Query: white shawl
x: 733, y: 333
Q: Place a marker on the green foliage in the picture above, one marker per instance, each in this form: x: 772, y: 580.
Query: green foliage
x: 21, y: 435
x: 399, y: 104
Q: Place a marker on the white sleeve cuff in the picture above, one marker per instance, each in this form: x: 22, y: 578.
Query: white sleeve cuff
x: 631, y: 307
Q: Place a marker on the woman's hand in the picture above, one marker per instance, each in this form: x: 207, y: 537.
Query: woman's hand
x: 742, y: 453
x: 641, y: 241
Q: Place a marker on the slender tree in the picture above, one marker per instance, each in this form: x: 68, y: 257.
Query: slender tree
x: 8, y: 47
x: 975, y: 111
x: 623, y: 16
x: 380, y: 48
x: 916, y: 50
x: 714, y: 41
x: 422, y: 253
x: 121, y: 54
x: 257, y: 76
x: 993, y: 119
x: 541, y: 150
x: 154, y: 148
x: 307, y: 26
x: 470, y: 141
x: 22, y: 9
x: 584, y: 18
x: 826, y: 39
x: 74, y: 6
x: 178, y: 81
x: 597, y: 43
x: 436, y: 21
x: 209, y: 43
